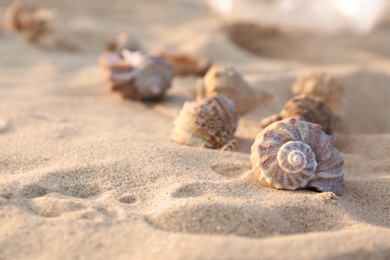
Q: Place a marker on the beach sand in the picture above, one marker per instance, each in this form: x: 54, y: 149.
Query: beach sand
x: 85, y: 174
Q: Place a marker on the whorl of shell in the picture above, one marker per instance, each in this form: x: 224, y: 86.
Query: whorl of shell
x: 208, y: 122
x: 137, y: 76
x: 30, y: 20
x: 321, y: 85
x: 307, y: 108
x: 228, y: 82
x: 184, y: 65
x: 293, y: 154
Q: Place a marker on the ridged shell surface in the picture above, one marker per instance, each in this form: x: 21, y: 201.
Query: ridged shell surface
x: 308, y: 108
x: 226, y: 81
x: 207, y: 122
x: 293, y: 154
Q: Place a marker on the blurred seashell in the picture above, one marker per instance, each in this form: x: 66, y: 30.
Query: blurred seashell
x: 186, y: 65
x: 122, y: 42
x: 137, y: 76
x: 293, y: 154
x: 207, y: 122
x: 228, y: 82
x: 307, y: 108
x: 117, y: 71
x: 32, y: 21
x: 321, y: 85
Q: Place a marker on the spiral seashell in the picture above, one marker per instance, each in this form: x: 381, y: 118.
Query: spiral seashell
x: 184, y: 65
x: 32, y: 21
x: 307, y: 108
x: 321, y: 85
x: 293, y: 154
x: 137, y: 76
x: 228, y: 82
x: 208, y: 122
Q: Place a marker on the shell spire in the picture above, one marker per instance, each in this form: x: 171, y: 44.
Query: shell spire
x: 293, y: 154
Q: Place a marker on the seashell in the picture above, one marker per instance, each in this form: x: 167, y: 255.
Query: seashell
x: 207, y: 122
x: 321, y: 85
x: 117, y: 71
x: 32, y: 21
x: 137, y: 76
x: 228, y: 82
x: 122, y: 42
x: 186, y: 65
x: 307, y: 108
x: 293, y: 154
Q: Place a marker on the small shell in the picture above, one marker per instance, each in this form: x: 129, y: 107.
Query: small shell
x: 293, y: 154
x: 138, y: 76
x: 32, y: 21
x: 228, y: 82
x: 122, y: 42
x: 307, y: 108
x: 321, y: 85
x: 186, y: 65
x: 208, y: 122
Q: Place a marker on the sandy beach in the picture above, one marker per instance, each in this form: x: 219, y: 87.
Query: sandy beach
x: 85, y: 174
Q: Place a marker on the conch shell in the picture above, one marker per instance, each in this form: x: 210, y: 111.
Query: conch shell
x: 321, y: 85
x: 228, y: 82
x: 137, y: 76
x: 186, y: 65
x: 208, y: 122
x: 308, y: 108
x: 293, y: 154
x: 32, y: 21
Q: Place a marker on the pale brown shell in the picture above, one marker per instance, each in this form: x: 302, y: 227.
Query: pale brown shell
x: 228, y: 82
x: 208, y: 122
x: 308, y: 108
x: 293, y: 154
x: 30, y: 20
x: 184, y: 65
x: 321, y: 85
x: 137, y: 76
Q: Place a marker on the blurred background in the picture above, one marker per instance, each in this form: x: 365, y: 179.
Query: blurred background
x: 271, y: 42
x: 282, y: 29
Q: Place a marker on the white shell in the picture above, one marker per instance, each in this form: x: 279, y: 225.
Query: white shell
x: 208, y: 122
x: 293, y: 154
